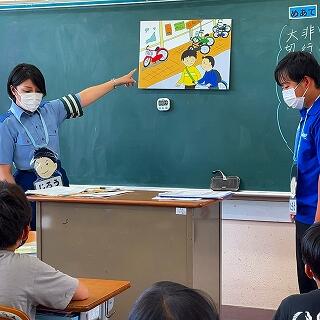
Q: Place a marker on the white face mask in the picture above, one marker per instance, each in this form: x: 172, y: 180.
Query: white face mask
x: 30, y: 101
x: 290, y: 98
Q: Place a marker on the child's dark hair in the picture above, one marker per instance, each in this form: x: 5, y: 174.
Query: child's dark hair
x: 188, y: 53
x: 45, y: 152
x: 15, y: 213
x: 23, y: 72
x: 310, y: 249
x: 167, y: 300
x: 211, y: 60
x: 295, y: 65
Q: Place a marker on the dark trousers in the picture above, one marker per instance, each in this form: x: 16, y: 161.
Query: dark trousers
x: 305, y: 284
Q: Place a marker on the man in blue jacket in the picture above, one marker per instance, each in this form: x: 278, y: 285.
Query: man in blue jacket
x: 298, y: 74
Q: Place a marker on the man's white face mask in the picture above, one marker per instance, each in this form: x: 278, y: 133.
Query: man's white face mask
x: 291, y: 100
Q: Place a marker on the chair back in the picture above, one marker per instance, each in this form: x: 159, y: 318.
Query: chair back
x: 10, y: 313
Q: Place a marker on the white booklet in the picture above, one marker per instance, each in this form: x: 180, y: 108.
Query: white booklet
x: 175, y: 198
x: 196, y: 193
x: 57, y: 191
x: 78, y: 191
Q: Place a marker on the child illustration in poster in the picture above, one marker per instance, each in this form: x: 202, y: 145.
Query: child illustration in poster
x: 190, y: 74
x: 211, y: 77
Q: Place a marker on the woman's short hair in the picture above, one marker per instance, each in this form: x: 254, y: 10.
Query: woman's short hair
x: 168, y: 300
x: 23, y: 72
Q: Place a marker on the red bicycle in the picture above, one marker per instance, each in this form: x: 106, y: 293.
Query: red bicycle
x: 158, y: 54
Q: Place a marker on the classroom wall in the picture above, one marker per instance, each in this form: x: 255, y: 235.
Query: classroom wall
x: 258, y: 262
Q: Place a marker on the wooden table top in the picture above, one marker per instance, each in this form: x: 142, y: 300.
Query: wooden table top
x: 135, y: 198
x: 100, y: 291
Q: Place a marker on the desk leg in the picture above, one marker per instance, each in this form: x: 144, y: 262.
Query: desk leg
x: 83, y: 316
x: 102, y: 313
x: 39, y: 229
x: 109, y: 307
x: 98, y: 313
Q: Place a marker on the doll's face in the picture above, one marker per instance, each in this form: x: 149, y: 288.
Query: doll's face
x: 45, y: 167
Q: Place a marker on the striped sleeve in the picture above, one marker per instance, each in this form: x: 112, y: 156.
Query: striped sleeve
x: 72, y: 105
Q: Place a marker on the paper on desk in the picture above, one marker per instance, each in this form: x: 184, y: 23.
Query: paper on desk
x: 100, y: 194
x: 195, y: 193
x: 58, y: 191
x: 175, y: 199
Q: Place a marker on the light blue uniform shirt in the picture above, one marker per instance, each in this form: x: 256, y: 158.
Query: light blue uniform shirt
x: 15, y: 145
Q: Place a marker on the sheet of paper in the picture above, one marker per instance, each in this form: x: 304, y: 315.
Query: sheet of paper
x: 58, y: 191
x: 78, y: 191
x: 100, y: 194
x: 195, y: 193
x: 175, y: 199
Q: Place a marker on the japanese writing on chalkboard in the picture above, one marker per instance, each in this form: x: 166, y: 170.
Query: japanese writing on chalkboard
x: 303, y: 12
x: 300, y: 38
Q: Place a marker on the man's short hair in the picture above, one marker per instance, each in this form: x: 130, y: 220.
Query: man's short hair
x: 310, y: 249
x: 296, y: 65
x: 168, y: 300
x: 188, y: 53
x: 15, y: 213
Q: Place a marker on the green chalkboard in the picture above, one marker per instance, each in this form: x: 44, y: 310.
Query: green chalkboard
x: 123, y: 139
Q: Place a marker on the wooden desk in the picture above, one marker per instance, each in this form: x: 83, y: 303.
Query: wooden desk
x: 100, y: 291
x: 132, y: 237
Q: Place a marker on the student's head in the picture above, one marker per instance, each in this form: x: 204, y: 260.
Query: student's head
x: 15, y: 215
x: 189, y: 57
x: 207, y: 63
x: 310, y: 249
x: 299, y: 71
x: 167, y: 300
x: 25, y: 78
